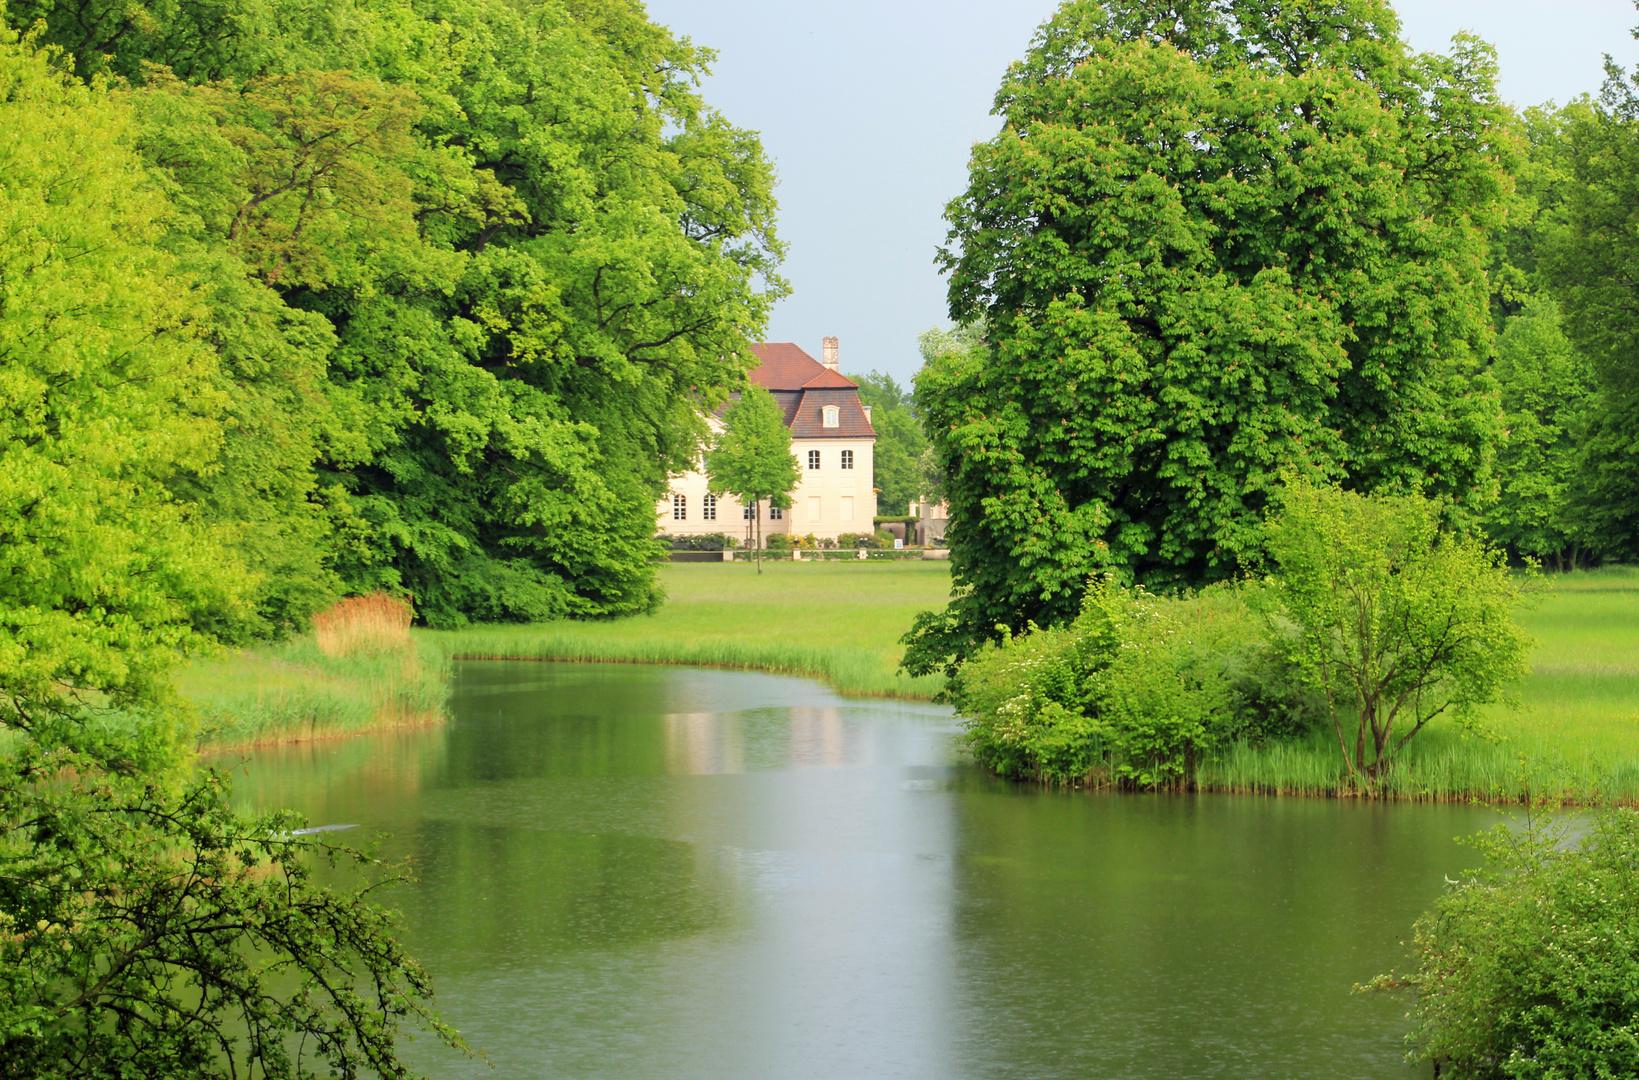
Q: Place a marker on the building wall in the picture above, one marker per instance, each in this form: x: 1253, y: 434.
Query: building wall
x: 826, y: 502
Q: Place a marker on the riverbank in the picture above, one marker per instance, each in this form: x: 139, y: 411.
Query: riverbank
x: 351, y: 676
x: 838, y: 622
x: 1574, y: 737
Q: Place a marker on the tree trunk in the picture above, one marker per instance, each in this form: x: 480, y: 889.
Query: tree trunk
x: 757, y: 516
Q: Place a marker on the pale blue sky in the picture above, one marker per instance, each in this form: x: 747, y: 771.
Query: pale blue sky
x: 868, y: 110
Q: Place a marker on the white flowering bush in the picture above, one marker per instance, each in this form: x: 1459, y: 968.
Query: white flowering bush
x: 1134, y: 691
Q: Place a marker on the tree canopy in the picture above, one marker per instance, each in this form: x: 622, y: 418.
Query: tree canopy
x: 470, y: 273
x: 1214, y: 242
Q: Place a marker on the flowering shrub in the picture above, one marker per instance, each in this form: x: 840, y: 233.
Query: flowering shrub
x: 1134, y: 691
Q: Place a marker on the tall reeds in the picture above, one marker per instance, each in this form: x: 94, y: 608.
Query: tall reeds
x: 360, y: 670
x: 375, y: 622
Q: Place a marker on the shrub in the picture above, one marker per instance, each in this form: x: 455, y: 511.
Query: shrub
x: 1135, y: 691
x: 1392, y: 619
x: 705, y: 542
x: 862, y: 540
x: 1530, y: 970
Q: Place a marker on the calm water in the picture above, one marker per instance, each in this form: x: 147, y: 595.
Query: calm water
x: 671, y: 873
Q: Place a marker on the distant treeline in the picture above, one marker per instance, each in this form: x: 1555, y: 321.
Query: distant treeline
x: 444, y: 286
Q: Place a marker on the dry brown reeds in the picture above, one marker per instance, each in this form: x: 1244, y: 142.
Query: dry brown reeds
x: 375, y: 622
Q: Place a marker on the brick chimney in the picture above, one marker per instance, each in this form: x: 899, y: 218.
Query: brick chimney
x: 830, y: 353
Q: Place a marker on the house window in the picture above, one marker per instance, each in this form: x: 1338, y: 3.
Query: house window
x: 708, y: 509
x: 748, y: 512
x: 680, y: 508
x: 813, y: 459
x: 813, y: 508
x: 830, y: 414
x: 775, y: 513
x: 847, y: 459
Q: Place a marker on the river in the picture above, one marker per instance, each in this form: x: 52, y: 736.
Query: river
x: 650, y: 872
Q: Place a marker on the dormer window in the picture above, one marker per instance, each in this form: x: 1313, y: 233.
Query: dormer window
x: 831, y: 416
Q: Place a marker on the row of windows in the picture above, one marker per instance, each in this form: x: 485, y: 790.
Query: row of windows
x: 814, y: 459
x: 708, y: 509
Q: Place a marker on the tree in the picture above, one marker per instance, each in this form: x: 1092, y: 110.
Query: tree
x: 752, y: 458
x: 146, y: 929
x: 896, y: 458
x: 517, y: 246
x: 1396, y: 621
x: 1213, y: 241
x: 1547, y: 392
x: 1588, y: 264
x: 1528, y: 969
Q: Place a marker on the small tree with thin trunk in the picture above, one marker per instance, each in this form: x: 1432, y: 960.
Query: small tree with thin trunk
x: 751, y: 459
x: 1390, y: 617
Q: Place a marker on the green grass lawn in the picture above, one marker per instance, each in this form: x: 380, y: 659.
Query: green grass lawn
x: 837, y: 621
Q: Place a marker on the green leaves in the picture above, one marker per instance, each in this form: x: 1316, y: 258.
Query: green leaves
x: 1529, y: 969
x: 1395, y: 621
x: 751, y: 459
x: 1202, y: 266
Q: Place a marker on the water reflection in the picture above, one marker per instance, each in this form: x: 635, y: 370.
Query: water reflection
x: 652, y: 872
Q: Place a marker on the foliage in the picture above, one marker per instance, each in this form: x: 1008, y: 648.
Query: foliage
x: 146, y: 931
x: 752, y: 458
x: 864, y: 540
x: 487, y: 262
x: 1138, y: 689
x: 896, y: 457
x: 1528, y: 969
x: 106, y: 392
x: 1213, y: 242
x: 1586, y: 262
x: 1395, y: 621
x: 1547, y: 393
x: 702, y: 542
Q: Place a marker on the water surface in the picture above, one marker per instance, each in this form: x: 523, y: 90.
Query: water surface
x: 671, y: 873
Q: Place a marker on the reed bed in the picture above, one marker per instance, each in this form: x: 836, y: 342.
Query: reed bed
x: 360, y: 670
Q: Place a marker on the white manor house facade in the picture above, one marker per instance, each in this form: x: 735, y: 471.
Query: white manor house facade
x: 831, y: 438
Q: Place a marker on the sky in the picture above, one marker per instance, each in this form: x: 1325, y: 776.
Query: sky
x: 868, y: 110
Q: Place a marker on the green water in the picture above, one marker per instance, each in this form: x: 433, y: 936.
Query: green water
x: 672, y: 873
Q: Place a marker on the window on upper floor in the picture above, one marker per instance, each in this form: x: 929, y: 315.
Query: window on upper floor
x: 830, y: 415
x: 847, y: 459
x: 748, y: 512
x: 680, y: 508
x: 813, y: 459
x: 708, y: 509
x: 775, y: 513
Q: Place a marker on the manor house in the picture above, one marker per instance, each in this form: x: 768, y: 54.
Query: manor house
x: 831, y: 438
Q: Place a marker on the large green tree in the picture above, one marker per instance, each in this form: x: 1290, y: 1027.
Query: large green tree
x: 1589, y: 264
x: 515, y: 242
x: 1214, y: 241
x: 146, y: 929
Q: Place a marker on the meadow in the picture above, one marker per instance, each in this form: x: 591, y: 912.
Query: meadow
x: 839, y: 622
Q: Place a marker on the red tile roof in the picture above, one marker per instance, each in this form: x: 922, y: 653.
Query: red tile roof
x: 803, y: 387
x: 784, y: 366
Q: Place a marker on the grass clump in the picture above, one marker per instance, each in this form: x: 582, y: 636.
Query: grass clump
x: 360, y: 670
x: 837, y: 622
